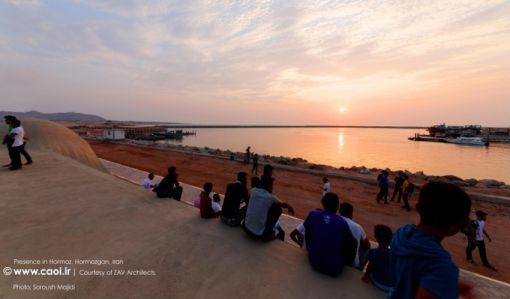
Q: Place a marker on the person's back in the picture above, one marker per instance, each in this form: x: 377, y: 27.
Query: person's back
x: 329, y: 242
x: 326, y: 235
x: 235, y: 194
x: 206, y: 210
x: 420, y: 267
x: 256, y: 215
x: 419, y: 260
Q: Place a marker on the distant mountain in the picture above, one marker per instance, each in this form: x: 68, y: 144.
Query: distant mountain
x: 65, y: 116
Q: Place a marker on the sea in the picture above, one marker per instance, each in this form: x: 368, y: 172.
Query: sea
x: 369, y: 147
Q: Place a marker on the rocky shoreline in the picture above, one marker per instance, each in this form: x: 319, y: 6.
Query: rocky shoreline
x: 418, y: 177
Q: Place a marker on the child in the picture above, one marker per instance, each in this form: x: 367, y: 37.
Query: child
x: 379, y: 259
x: 419, y: 266
x: 326, y: 187
x: 147, y: 182
x: 216, y: 206
x: 480, y: 231
x: 206, y: 210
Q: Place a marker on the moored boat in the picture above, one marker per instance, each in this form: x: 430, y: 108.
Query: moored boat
x: 479, y: 141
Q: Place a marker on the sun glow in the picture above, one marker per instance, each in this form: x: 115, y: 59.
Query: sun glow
x: 342, y: 109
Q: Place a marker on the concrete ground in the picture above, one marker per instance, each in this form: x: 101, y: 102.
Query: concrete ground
x: 484, y: 287
x: 60, y: 209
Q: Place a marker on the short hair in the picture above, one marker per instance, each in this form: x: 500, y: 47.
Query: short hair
x: 346, y: 209
x: 208, y: 187
x: 151, y: 175
x: 171, y: 169
x: 266, y: 182
x: 443, y: 205
x: 383, y: 234
x: 216, y: 197
x: 16, y: 122
x: 10, y: 117
x: 325, y: 178
x: 330, y: 202
x: 241, y: 176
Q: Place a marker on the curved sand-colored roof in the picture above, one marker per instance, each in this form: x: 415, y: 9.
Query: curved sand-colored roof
x: 47, y: 135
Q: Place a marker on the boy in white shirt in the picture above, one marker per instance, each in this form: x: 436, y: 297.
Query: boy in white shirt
x: 216, y: 206
x: 147, y: 182
x: 480, y: 232
x: 16, y: 134
x: 326, y: 187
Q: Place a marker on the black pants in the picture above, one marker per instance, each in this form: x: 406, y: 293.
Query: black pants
x: 255, y: 169
x: 25, y: 154
x: 405, y: 198
x: 16, y: 157
x: 469, y: 250
x: 383, y: 194
x: 397, y: 191
x: 483, y: 253
x: 10, y: 151
x: 174, y: 193
x: 274, y: 213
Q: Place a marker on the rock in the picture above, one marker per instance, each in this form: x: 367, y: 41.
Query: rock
x: 283, y: 162
x: 471, y: 182
x: 452, y: 178
x: 460, y: 183
x: 364, y: 171
x: 315, y: 167
x: 492, y: 183
x: 420, y: 174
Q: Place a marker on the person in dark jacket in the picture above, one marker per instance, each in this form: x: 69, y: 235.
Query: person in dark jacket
x: 237, y: 193
x: 169, y: 186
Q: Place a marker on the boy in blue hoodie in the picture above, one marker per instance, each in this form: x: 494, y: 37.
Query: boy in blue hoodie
x: 419, y: 266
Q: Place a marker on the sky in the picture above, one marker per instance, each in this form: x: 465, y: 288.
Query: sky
x: 259, y: 62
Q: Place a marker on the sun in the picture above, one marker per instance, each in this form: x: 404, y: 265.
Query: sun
x: 342, y: 109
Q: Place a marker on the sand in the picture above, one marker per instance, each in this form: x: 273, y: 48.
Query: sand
x: 303, y: 192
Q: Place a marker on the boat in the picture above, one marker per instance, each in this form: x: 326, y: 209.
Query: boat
x: 463, y: 140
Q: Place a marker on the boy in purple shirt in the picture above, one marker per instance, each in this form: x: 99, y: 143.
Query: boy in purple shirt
x: 329, y: 241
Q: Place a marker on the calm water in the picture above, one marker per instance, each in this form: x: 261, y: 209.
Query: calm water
x: 347, y: 147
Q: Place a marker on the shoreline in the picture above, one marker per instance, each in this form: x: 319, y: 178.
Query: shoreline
x: 362, y: 174
x: 302, y: 189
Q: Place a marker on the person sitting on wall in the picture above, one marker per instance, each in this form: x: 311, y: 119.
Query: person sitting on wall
x: 263, y: 212
x: 206, y: 210
x: 328, y: 239
x: 232, y: 214
x: 169, y: 186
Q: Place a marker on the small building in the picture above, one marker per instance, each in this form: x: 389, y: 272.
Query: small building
x: 114, y: 134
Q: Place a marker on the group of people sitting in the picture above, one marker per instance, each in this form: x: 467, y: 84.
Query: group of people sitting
x: 408, y: 264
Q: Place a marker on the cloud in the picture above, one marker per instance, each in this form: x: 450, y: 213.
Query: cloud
x: 227, y: 52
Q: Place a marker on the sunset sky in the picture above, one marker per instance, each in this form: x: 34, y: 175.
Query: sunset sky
x: 259, y: 62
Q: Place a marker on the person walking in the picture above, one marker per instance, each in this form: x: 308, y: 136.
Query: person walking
x: 397, y: 192
x: 480, y: 232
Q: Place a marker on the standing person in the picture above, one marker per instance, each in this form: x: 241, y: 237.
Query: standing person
x: 362, y: 243
x: 268, y: 171
x: 399, y: 181
x: 169, y: 186
x: 263, y: 212
x: 16, y: 134
x: 378, y: 267
x: 247, y: 156
x: 147, y: 182
x: 481, y: 217
x: 23, y: 151
x: 7, y: 138
x: 470, y: 232
x: 206, y: 210
x: 419, y: 265
x: 326, y: 187
x: 382, y: 180
x: 329, y: 241
x: 255, y: 168
x: 237, y: 193
x: 407, y: 190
